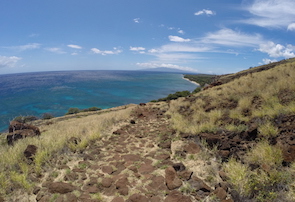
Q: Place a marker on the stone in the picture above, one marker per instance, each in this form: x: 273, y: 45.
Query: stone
x: 198, y: 184
x: 106, y: 182
x: 171, y: 178
x: 192, y: 148
x: 137, y: 198
x: 121, y: 186
x: 118, y: 199
x: 60, y: 187
x: 30, y: 152
x: 176, y: 196
x: 220, y: 193
x: 146, y: 168
x: 107, y: 169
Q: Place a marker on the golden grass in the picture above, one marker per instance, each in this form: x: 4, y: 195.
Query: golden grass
x: 51, y: 142
x: 267, y: 85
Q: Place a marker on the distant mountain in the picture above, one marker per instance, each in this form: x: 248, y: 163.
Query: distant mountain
x: 165, y: 69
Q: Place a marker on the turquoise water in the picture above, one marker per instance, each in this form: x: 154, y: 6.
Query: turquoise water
x: 55, y: 92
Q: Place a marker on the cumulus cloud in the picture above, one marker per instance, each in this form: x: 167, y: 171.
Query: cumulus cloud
x: 137, y: 48
x: 74, y: 46
x: 29, y: 46
x: 8, y: 61
x: 106, y: 52
x: 291, y: 27
x: 267, y: 61
x: 277, y: 50
x: 136, y: 20
x: 205, y: 11
x: 172, y: 66
x: 55, y: 50
x: 271, y: 13
x: 229, y: 37
x: 178, y: 39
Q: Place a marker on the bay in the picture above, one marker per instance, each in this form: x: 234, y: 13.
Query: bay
x: 34, y: 94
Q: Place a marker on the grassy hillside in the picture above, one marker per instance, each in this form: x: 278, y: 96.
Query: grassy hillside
x: 244, y: 129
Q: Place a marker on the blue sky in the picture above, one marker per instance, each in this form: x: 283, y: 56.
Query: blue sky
x: 205, y: 36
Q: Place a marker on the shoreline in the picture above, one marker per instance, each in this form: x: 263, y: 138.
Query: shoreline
x: 191, y: 81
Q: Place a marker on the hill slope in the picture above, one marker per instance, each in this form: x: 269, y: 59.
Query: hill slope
x: 231, y: 142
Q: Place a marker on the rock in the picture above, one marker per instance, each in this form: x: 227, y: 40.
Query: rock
x: 15, y: 126
x: 137, y: 198
x: 192, y: 148
x: 132, y: 121
x: 121, y: 186
x: 91, y: 189
x: 106, y: 182
x: 178, y: 167
x: 176, y: 196
x: 171, y: 178
x: 223, y: 175
x: 131, y: 157
x: 60, y: 187
x: 289, y: 154
x: 220, y: 193
x: 107, y: 169
x: 185, y: 175
x: 142, y: 104
x: 198, y: 184
x: 146, y: 168
x: 30, y: 152
x: 118, y: 199
x: 19, y: 130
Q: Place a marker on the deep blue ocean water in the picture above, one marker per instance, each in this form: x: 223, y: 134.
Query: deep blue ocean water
x: 55, y: 92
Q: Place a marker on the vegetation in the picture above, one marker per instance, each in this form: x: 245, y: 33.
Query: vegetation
x: 201, y: 79
x: 174, y: 96
x: 77, y: 110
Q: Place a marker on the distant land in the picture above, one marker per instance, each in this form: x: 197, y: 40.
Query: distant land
x: 165, y: 69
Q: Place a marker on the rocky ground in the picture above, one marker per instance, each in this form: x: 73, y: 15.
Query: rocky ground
x: 135, y: 163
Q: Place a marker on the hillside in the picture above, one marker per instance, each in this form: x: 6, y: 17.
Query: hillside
x: 232, y: 141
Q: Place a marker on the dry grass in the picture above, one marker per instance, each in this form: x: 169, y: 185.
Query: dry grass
x: 267, y: 86
x: 13, y: 166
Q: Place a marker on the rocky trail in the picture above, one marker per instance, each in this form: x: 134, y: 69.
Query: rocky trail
x: 134, y: 163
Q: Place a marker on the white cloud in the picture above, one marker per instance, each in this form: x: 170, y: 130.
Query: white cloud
x: 267, y: 61
x: 166, y: 65
x: 229, y: 37
x: 206, y: 12
x: 106, y: 52
x: 29, y: 46
x: 74, y: 46
x: 181, y: 31
x: 136, y: 20
x: 271, y: 13
x: 8, y: 61
x: 291, y: 27
x: 137, y: 48
x: 277, y: 50
x: 55, y: 50
x: 178, y: 39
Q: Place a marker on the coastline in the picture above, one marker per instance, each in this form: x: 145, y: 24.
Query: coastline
x: 191, y: 81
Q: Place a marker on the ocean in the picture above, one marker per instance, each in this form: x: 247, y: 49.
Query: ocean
x: 33, y: 94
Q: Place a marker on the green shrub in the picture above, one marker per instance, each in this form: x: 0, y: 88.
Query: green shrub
x: 73, y: 110
x: 25, y: 119
x: 91, y: 109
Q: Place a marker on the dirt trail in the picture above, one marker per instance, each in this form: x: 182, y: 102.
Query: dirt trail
x: 133, y: 163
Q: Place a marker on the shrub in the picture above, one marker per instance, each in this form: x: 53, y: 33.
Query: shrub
x: 47, y: 116
x: 25, y: 119
x: 73, y: 110
x: 91, y: 109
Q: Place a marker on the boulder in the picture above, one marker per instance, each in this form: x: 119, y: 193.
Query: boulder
x: 60, y: 187
x: 171, y: 178
x: 30, y: 152
x: 19, y: 130
x: 176, y: 196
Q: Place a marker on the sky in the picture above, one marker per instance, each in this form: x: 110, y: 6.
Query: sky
x: 203, y: 36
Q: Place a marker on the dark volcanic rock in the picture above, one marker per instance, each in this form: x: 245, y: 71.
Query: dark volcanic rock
x: 60, y: 187
x: 171, y: 178
x: 176, y: 196
x: 30, y: 151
